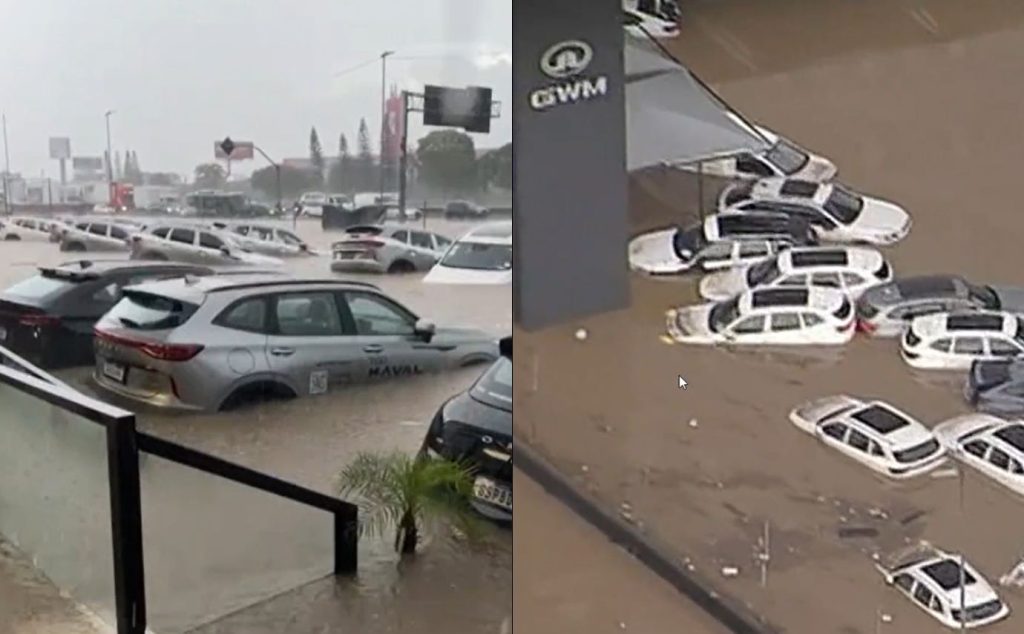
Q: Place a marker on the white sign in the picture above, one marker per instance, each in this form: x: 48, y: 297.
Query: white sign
x: 567, y: 61
x: 60, y: 148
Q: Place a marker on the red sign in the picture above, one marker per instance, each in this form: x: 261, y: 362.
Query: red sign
x: 392, y: 150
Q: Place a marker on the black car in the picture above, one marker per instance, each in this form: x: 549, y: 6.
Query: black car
x: 476, y: 427
x: 465, y: 209
x: 48, y: 318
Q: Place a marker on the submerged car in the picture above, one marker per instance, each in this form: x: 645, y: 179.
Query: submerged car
x: 996, y: 387
x: 184, y: 243
x: 783, y: 158
x: 270, y: 240
x: 677, y: 250
x: 887, y: 309
x: 23, y: 229
x: 475, y: 427
x: 657, y: 18
x: 216, y: 342
x: 875, y: 434
x: 387, y: 249
x: 836, y: 212
x: 97, y: 236
x: 481, y: 256
x: 945, y: 586
x: 767, y: 317
x: 953, y: 341
x: 992, y: 445
x: 48, y: 318
x: 850, y: 269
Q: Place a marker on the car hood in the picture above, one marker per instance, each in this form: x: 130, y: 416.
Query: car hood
x: 881, y: 216
x: 653, y: 252
x: 1011, y: 298
x: 723, y: 284
x: 468, y: 411
x: 815, y: 410
x: 949, y: 431
x: 441, y: 274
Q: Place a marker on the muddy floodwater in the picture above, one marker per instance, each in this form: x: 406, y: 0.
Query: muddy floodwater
x: 917, y: 102
x: 306, y: 441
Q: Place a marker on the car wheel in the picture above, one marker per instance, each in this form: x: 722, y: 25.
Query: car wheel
x: 401, y: 267
x: 256, y: 394
x: 75, y: 247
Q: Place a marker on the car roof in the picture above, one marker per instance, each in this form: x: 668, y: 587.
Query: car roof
x: 965, y: 323
x: 490, y: 233
x: 916, y: 288
x: 195, y: 289
x: 793, y: 189
x: 100, y: 267
x: 721, y: 226
x: 882, y: 421
x: 844, y: 258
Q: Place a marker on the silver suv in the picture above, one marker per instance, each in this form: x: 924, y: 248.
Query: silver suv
x: 195, y: 244
x: 97, y: 236
x: 214, y: 343
x: 387, y: 249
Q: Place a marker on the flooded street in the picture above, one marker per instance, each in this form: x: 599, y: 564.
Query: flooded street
x: 917, y: 102
x: 201, y: 533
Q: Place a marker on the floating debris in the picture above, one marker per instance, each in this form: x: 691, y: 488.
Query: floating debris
x: 878, y: 513
x: 849, y: 532
x: 693, y: 423
x: 584, y: 468
x: 1014, y: 578
x: 581, y: 334
x: 730, y: 571
x: 951, y: 472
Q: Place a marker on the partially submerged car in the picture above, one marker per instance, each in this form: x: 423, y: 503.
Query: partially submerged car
x: 481, y: 256
x: 270, y: 240
x: 945, y: 586
x: 185, y: 243
x: 996, y: 387
x: 850, y: 269
x: 953, y: 341
x: 783, y: 158
x: 25, y: 229
x: 475, y: 427
x: 835, y: 211
x: 992, y: 445
x: 887, y: 309
x: 767, y: 317
x: 387, y: 249
x: 97, y: 236
x: 677, y: 250
x: 875, y: 434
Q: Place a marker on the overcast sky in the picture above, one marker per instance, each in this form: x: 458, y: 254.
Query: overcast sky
x: 181, y: 73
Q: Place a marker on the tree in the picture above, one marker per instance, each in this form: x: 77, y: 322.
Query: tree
x: 210, y: 176
x: 294, y: 181
x: 448, y: 160
x: 339, y: 178
x: 495, y: 167
x: 364, y: 160
x: 399, y: 491
x: 316, y: 152
x: 342, y: 145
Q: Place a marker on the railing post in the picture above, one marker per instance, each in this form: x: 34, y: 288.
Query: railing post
x: 346, y: 540
x: 126, y: 527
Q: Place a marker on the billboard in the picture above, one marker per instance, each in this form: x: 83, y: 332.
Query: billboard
x: 235, y: 150
x: 392, y: 133
x: 466, y: 108
x: 87, y: 163
x: 60, y: 148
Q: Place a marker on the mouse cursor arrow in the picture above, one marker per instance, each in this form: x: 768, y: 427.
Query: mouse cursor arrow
x: 682, y: 383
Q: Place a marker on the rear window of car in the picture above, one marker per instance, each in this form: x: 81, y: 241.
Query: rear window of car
x: 40, y: 287
x: 145, y: 311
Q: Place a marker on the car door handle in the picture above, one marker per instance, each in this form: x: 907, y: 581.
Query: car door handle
x: 373, y: 348
x: 282, y: 352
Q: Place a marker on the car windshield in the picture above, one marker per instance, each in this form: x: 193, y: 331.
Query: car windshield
x: 479, y: 256
x: 763, y: 272
x: 844, y: 205
x: 787, y: 157
x: 290, y: 238
x: 917, y: 452
x: 983, y: 296
x: 724, y: 314
x: 496, y: 384
x: 687, y: 242
x: 41, y: 286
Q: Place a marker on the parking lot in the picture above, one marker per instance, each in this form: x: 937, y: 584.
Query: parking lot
x: 915, y: 112
x: 308, y: 440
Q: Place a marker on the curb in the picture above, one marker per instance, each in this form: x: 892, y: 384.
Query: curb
x: 657, y: 557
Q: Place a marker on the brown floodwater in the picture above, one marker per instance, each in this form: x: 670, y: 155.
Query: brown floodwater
x: 917, y: 102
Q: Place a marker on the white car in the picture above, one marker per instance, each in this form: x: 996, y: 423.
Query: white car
x: 677, y: 250
x: 395, y: 213
x: 850, y: 269
x: 836, y: 212
x: 767, y: 317
x: 953, y: 594
x: 20, y: 229
x: 481, y: 256
x: 313, y: 203
x: 194, y: 244
x: 270, y: 240
x: 659, y: 18
x: 783, y: 158
x: 953, y: 341
x: 873, y: 433
x: 990, y: 444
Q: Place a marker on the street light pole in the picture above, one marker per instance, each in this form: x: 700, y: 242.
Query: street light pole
x: 110, y: 161
x: 383, y: 114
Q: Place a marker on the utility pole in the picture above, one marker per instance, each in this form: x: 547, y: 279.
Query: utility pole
x: 383, y: 115
x: 403, y: 161
x: 7, y: 170
x: 110, y: 161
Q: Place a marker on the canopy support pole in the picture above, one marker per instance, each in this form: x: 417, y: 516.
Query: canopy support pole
x: 700, y: 189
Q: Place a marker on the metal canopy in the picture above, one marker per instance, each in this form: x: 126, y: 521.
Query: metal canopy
x: 671, y: 118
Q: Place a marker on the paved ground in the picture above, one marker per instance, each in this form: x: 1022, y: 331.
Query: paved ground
x: 917, y: 102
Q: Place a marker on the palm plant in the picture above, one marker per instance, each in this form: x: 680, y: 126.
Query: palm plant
x: 407, y: 492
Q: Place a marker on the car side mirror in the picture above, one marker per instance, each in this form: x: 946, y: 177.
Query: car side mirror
x: 225, y: 251
x: 425, y: 329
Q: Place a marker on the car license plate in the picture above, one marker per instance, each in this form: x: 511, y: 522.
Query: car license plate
x: 114, y: 371
x: 491, y: 492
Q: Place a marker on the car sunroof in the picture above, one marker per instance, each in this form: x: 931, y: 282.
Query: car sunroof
x: 800, y: 189
x: 881, y: 419
x: 978, y: 321
x: 835, y: 257
x: 946, y: 573
x: 926, y: 286
x: 780, y: 297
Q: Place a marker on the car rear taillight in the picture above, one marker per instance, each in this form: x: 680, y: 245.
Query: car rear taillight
x: 156, y: 350
x: 37, y: 320
x: 866, y: 327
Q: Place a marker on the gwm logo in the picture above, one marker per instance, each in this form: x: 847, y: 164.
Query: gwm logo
x: 567, y: 61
